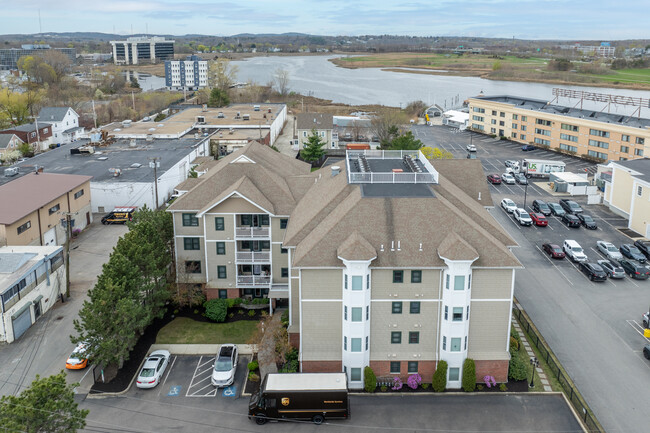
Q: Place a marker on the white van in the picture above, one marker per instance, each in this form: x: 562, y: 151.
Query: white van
x: 574, y: 251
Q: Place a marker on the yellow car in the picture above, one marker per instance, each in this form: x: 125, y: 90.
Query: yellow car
x: 77, y: 359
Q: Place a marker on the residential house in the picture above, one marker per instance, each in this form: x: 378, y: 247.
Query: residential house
x: 628, y: 193
x: 31, y: 280
x: 39, y: 138
x: 319, y: 122
x: 9, y: 143
x: 64, y: 122
x: 35, y: 208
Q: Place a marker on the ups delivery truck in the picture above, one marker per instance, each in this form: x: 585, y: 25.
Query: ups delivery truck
x: 119, y: 215
x: 312, y: 396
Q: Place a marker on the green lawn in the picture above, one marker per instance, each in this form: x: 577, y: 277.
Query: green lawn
x: 187, y: 331
x: 628, y: 76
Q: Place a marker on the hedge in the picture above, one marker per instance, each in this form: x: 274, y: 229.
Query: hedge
x: 469, y: 375
x: 216, y: 309
x: 370, y: 380
x: 439, y: 382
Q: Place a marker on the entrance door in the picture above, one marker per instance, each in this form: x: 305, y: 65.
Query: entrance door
x: 87, y: 218
x: 49, y: 238
x: 37, y: 310
x: 21, y: 322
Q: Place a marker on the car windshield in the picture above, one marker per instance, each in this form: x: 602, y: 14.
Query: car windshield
x: 523, y: 214
x: 634, y: 250
x: 543, y: 206
x: 223, y: 365
x: 557, y: 250
x: 587, y: 218
x: 147, y: 372
x: 612, y: 248
x: 573, y: 205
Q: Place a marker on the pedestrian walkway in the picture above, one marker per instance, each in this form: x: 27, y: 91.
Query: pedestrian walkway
x: 266, y: 354
x: 531, y: 354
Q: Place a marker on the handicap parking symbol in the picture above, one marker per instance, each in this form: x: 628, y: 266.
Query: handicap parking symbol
x: 174, y: 391
x: 230, y: 391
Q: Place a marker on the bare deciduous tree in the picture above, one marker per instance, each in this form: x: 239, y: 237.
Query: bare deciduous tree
x: 281, y: 81
x: 222, y: 75
x: 385, y: 125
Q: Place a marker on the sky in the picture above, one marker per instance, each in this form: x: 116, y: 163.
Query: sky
x: 522, y: 19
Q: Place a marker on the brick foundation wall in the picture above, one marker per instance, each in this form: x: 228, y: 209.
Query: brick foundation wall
x: 425, y: 369
x: 294, y: 339
x: 213, y: 293
x: 233, y: 293
x: 322, y: 366
x: 498, y: 369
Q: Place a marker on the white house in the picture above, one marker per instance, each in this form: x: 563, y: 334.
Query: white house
x: 64, y: 122
x: 31, y: 281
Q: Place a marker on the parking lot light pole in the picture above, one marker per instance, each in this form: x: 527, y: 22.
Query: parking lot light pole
x: 535, y: 363
x: 525, y: 193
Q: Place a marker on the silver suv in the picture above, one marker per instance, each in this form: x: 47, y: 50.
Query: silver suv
x: 225, y: 365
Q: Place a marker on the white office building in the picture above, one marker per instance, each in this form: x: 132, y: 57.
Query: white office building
x: 141, y: 49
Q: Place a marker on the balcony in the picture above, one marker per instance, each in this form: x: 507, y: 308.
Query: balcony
x: 253, y: 280
x: 248, y: 232
x: 253, y: 256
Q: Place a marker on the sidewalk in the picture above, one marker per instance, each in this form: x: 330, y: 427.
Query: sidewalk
x: 531, y: 354
x: 266, y: 354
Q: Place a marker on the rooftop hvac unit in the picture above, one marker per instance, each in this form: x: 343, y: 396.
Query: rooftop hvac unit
x: 231, y: 131
x: 220, y: 115
x: 238, y: 115
x: 196, y: 135
x: 204, y: 107
x: 132, y: 142
x: 269, y: 110
x: 126, y: 123
x: 256, y: 107
x: 149, y: 137
x: 247, y: 117
x: 200, y: 120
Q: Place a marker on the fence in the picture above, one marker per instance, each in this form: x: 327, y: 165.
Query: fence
x: 570, y: 389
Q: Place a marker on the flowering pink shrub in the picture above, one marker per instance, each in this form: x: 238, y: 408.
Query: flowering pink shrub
x: 414, y: 381
x: 397, y: 384
x: 489, y: 381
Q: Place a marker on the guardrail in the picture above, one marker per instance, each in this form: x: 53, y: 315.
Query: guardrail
x: 253, y: 256
x: 251, y: 232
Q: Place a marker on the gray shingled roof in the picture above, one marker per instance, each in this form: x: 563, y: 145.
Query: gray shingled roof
x: 314, y: 121
x: 639, y: 165
x: 52, y: 114
x: 5, y: 138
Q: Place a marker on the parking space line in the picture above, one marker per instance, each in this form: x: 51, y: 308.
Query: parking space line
x: 638, y: 328
x: 553, y: 264
x: 169, y: 370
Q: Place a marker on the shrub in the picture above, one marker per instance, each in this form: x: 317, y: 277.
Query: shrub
x: 503, y: 387
x: 397, y: 384
x: 414, y: 381
x: 216, y: 310
x: 292, y: 355
x: 514, y: 344
x: 384, y: 388
x: 426, y: 385
x: 251, y: 313
x: 253, y: 377
x: 469, y: 375
x: 517, y: 369
x: 253, y: 365
x: 439, y: 382
x: 515, y: 334
x: 285, y: 318
x: 479, y: 387
x: 260, y: 301
x: 159, y: 117
x: 233, y: 302
x: 240, y: 312
x: 370, y: 380
x: 231, y: 315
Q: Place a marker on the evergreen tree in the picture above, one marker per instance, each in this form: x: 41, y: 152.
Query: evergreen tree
x: 218, y: 98
x: 313, y: 150
x: 405, y: 141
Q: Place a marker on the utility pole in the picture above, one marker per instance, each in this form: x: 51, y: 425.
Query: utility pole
x: 68, y: 236
x: 155, y: 163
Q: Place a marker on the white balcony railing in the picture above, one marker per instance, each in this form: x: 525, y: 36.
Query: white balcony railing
x: 372, y: 177
x: 252, y: 232
x: 254, y: 256
x: 253, y: 280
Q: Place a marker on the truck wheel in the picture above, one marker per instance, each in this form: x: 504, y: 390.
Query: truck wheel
x: 260, y: 419
x: 318, y: 419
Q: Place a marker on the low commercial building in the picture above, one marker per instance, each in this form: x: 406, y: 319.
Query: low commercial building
x: 9, y: 56
x: 36, y: 206
x: 627, y: 193
x: 455, y: 119
x: 608, y: 137
x: 190, y: 74
x: 142, y: 49
x: 31, y: 281
x: 389, y: 261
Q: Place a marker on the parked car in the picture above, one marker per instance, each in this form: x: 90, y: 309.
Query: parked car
x: 512, y: 164
x: 612, y: 269
x: 471, y: 148
x: 77, y: 359
x: 521, y: 179
x: 522, y: 217
x: 593, y: 271
x: 609, y: 250
x: 508, y: 178
x: 646, y: 351
x: 632, y: 252
x: 570, y: 206
x: 153, y: 369
x: 587, y: 221
x: 570, y: 220
x: 539, y: 219
x: 643, y: 246
x: 553, y: 250
x: 528, y: 147
x: 541, y: 207
x: 494, y: 179
x: 508, y: 205
x: 556, y: 209
x: 225, y: 365
x: 634, y: 270
x: 574, y: 251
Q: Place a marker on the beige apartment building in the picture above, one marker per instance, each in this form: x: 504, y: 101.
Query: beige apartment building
x: 35, y: 208
x: 611, y: 137
x: 395, y: 270
x: 628, y: 193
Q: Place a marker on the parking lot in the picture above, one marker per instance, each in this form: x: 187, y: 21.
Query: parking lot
x: 593, y: 327
x: 189, y: 377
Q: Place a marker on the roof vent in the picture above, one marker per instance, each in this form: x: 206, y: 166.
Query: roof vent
x: 335, y: 170
x: 479, y: 196
x: 136, y: 165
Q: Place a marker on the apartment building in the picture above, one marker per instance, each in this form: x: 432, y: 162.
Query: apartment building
x: 609, y: 137
x: 228, y: 228
x: 627, y: 193
x: 142, y: 49
x: 31, y: 280
x: 385, y: 262
x: 323, y: 124
x: 190, y: 74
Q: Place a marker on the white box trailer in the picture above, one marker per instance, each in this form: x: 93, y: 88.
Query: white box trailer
x: 541, y: 167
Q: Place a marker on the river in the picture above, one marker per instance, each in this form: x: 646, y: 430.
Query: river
x: 315, y: 75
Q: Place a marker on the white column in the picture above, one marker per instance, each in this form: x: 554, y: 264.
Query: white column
x: 152, y: 50
x: 114, y: 53
x: 134, y: 52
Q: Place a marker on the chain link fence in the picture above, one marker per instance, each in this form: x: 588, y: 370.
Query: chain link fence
x: 569, y: 388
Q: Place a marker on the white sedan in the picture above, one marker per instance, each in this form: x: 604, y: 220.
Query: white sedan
x: 508, y: 205
x: 609, y: 250
x: 508, y: 178
x: 153, y: 369
x: 471, y: 148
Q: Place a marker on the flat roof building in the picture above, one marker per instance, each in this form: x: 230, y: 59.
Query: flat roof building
x: 586, y: 133
x: 142, y: 49
x: 9, y: 56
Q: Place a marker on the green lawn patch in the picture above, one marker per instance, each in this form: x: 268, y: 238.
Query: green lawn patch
x: 550, y: 375
x: 183, y: 330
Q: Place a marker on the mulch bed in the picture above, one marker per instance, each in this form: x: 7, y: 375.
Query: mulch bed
x: 120, y: 382
x: 252, y: 387
x: 518, y: 386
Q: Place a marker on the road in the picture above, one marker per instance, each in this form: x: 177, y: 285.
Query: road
x: 44, y: 348
x: 593, y: 328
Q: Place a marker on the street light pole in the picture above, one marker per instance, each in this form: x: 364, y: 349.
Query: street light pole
x: 535, y: 363
x: 525, y: 193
